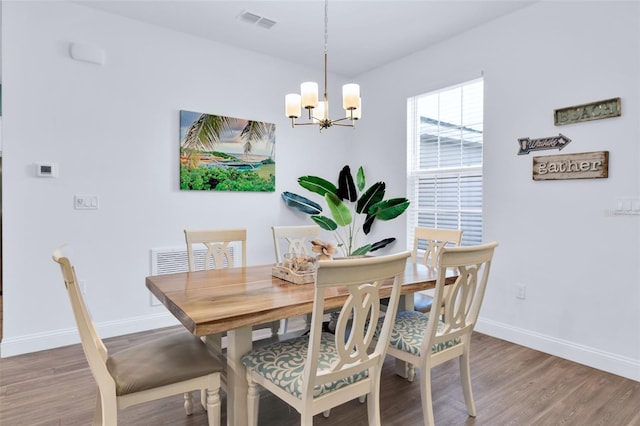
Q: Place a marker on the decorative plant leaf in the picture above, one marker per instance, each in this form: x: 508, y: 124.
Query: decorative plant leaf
x: 373, y: 195
x: 339, y: 210
x: 301, y: 203
x: 366, y: 226
x: 346, y: 187
x: 382, y: 243
x: 317, y: 184
x: 344, y: 219
x: 325, y: 223
x: 361, y: 250
x: 360, y: 179
x: 389, y: 209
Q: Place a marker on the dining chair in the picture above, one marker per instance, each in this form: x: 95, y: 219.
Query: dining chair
x: 431, y: 240
x: 318, y: 371
x: 424, y: 341
x: 221, y: 245
x: 221, y: 254
x: 176, y: 364
x: 296, y: 240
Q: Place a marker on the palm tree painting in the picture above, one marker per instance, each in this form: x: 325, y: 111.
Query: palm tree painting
x: 219, y: 153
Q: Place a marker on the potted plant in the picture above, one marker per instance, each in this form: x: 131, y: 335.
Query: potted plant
x: 352, y: 209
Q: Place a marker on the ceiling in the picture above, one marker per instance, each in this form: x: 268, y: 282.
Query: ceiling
x: 362, y: 35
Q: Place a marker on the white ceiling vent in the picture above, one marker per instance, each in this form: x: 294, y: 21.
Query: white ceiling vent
x: 252, y: 18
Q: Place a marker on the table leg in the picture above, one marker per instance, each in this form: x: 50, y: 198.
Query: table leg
x: 404, y: 304
x: 238, y: 343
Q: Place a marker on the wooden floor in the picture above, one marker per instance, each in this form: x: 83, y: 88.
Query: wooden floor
x: 512, y: 385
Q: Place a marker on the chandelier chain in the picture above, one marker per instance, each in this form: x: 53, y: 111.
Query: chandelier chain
x: 326, y: 25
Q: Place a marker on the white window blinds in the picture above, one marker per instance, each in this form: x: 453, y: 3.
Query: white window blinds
x: 444, y: 170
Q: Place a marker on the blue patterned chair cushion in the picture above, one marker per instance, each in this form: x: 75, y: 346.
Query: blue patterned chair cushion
x: 283, y: 363
x: 408, y: 333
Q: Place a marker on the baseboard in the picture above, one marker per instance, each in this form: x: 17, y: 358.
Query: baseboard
x: 11, y: 346
x: 606, y: 361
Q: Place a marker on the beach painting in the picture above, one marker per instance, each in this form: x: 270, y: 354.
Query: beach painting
x: 219, y: 153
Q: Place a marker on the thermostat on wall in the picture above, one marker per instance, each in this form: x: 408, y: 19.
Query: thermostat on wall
x: 46, y: 170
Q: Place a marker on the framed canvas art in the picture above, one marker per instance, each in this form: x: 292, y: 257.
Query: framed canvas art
x: 219, y: 153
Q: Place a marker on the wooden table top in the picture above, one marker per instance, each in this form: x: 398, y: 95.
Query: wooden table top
x: 217, y: 300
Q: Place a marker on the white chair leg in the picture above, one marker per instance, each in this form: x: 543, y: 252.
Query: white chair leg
x: 410, y: 370
x: 284, y: 325
x: 425, y: 395
x: 253, y: 404
x: 465, y: 378
x: 108, y: 410
x: 188, y: 403
x: 97, y: 415
x: 213, y: 406
x: 306, y: 419
x: 307, y: 322
x: 373, y: 404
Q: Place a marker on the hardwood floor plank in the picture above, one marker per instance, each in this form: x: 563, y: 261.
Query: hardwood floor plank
x: 512, y: 385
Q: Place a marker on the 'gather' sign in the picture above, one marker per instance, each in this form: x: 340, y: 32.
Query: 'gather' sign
x: 586, y: 165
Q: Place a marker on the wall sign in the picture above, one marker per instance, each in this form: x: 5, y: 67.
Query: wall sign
x: 586, y: 112
x: 586, y: 165
x: 552, y: 142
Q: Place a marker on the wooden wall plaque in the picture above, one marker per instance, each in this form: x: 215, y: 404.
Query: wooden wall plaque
x: 586, y: 165
x: 586, y: 112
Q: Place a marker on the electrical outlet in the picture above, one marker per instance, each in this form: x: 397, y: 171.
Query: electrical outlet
x: 521, y: 291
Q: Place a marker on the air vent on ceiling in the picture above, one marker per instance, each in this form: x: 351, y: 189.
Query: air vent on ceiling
x: 252, y: 18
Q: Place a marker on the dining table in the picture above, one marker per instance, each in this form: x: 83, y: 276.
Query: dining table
x: 232, y: 300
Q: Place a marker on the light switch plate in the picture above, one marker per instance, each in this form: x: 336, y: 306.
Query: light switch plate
x: 86, y: 202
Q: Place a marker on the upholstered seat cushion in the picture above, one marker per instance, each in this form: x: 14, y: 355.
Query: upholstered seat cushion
x: 408, y: 333
x: 283, y: 364
x: 171, y: 359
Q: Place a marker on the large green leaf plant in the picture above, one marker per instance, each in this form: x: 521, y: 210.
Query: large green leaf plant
x: 351, y: 208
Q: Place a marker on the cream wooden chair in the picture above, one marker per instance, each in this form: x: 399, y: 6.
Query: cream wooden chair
x: 425, y: 341
x: 293, y: 239
x: 177, y: 364
x: 219, y: 255
x: 432, y: 240
x: 316, y: 372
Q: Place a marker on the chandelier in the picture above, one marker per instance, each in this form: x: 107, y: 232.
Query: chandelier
x: 318, y: 111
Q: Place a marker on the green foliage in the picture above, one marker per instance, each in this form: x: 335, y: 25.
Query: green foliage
x: 219, y: 179
x: 347, y: 206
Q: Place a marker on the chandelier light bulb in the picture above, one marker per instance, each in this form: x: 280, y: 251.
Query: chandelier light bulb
x: 292, y: 105
x: 309, y: 94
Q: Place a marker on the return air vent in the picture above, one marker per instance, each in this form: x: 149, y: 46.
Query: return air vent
x: 252, y: 18
x: 172, y: 260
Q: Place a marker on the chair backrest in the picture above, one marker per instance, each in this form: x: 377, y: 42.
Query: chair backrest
x: 293, y: 239
x: 435, y: 240
x: 354, y: 332
x: 463, y: 299
x: 94, y: 350
x: 217, y: 243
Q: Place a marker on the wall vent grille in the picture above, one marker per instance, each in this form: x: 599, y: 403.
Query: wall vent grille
x: 174, y: 259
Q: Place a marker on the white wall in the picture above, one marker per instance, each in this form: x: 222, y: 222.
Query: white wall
x: 113, y: 130
x: 579, y: 264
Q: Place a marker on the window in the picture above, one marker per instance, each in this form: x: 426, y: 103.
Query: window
x: 444, y: 168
